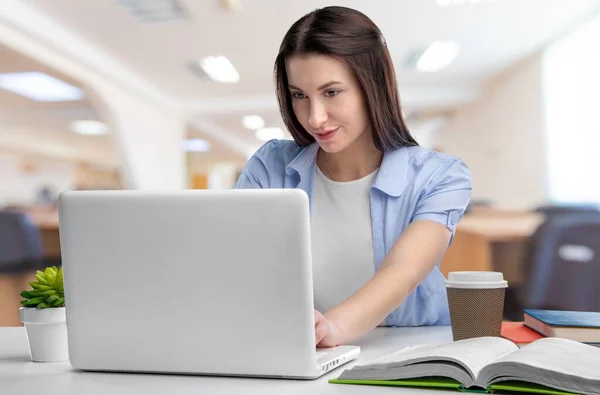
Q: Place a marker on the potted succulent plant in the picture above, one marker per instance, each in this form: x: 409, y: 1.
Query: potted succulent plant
x: 43, y: 314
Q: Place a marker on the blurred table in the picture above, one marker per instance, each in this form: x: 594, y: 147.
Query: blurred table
x: 491, y: 241
x: 46, y: 220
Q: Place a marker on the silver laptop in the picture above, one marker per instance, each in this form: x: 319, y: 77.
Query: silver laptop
x: 192, y: 282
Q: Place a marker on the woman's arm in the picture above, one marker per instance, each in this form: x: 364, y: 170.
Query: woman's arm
x: 414, y: 255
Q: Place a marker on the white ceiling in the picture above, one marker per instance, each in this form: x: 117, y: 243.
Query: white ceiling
x: 18, y: 108
x: 44, y: 128
x: 493, y: 35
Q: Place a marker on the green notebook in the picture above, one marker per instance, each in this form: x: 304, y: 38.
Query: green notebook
x: 486, y: 365
x: 444, y: 383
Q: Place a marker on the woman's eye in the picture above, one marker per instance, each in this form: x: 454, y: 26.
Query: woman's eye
x: 298, y: 95
x: 331, y: 93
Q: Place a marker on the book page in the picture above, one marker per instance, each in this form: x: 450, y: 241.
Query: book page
x: 560, y: 355
x: 473, y: 354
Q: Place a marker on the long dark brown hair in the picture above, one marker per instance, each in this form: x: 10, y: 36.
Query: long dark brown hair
x: 351, y: 37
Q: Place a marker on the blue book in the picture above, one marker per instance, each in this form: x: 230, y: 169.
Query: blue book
x: 582, y: 326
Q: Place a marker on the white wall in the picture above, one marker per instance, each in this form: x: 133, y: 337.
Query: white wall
x: 53, y: 157
x: 65, y: 146
x: 572, y: 92
x: 148, y: 139
x: 501, y: 138
x: 19, y: 186
x: 222, y: 176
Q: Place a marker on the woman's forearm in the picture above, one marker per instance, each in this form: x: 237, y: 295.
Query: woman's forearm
x: 411, y: 259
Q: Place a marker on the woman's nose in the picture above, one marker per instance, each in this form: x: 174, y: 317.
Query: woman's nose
x: 318, y: 115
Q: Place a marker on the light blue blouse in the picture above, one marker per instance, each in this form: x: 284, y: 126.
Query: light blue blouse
x: 412, y: 184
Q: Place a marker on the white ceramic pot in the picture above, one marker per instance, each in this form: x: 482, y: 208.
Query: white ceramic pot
x: 47, y: 333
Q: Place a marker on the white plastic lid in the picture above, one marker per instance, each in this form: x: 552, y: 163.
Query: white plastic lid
x: 484, y: 280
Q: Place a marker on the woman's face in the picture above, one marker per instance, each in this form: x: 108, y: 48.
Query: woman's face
x: 328, y: 101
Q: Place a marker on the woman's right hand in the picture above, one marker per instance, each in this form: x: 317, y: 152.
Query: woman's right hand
x: 327, y: 333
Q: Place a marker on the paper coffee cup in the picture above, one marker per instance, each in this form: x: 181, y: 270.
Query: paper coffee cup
x: 476, y: 303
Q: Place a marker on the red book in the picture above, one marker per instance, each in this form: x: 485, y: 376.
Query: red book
x: 518, y: 333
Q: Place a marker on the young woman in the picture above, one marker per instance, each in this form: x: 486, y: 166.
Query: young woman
x: 383, y: 209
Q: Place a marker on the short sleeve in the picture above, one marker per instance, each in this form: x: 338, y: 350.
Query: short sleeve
x: 445, y: 198
x: 255, y: 174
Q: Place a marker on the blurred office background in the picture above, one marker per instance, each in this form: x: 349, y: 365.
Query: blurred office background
x: 178, y: 94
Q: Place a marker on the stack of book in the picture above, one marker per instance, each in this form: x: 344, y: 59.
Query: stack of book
x: 518, y: 333
x: 581, y: 326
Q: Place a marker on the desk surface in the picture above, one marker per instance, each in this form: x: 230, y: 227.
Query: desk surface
x: 20, y: 376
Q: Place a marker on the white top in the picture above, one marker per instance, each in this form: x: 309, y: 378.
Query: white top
x: 18, y: 375
x: 341, y: 237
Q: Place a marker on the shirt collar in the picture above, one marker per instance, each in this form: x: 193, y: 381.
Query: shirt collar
x: 393, y: 172
x: 304, y: 165
x: 391, y: 177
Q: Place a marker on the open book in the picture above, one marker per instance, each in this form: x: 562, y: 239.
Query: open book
x: 548, y: 365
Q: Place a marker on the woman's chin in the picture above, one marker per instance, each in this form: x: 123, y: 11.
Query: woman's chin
x: 331, y: 147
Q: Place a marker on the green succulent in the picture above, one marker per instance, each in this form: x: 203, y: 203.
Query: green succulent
x: 47, y: 291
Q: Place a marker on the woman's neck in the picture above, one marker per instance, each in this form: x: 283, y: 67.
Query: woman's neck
x: 353, y: 163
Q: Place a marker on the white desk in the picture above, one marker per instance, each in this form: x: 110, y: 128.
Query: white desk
x: 20, y: 376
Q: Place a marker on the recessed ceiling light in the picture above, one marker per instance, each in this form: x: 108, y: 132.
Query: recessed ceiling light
x: 219, y: 69
x: 196, y: 145
x: 266, y: 134
x: 89, y: 128
x: 232, y: 5
x: 154, y: 10
x: 438, y: 56
x: 39, y: 86
x: 253, y: 122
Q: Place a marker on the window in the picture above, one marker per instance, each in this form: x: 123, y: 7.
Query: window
x: 571, y: 84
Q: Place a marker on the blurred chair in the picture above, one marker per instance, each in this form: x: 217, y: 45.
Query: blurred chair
x: 21, y: 246
x: 562, y: 265
x: 21, y: 252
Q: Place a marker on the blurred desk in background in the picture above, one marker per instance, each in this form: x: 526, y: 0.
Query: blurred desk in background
x: 483, y: 241
x: 492, y: 241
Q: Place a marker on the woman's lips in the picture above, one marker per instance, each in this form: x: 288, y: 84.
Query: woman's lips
x: 327, y: 135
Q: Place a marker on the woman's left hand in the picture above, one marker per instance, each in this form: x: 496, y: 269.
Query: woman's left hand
x: 327, y: 333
